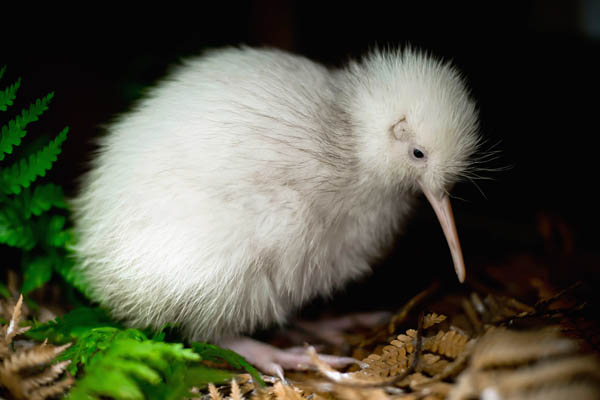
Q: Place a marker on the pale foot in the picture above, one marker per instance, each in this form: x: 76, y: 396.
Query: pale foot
x: 273, y: 361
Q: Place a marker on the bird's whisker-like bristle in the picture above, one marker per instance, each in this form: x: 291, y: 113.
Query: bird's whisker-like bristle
x: 478, y: 187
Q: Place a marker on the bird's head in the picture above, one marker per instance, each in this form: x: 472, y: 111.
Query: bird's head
x: 416, y: 126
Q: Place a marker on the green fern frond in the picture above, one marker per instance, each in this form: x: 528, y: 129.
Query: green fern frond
x: 8, y: 95
x: 94, y: 341
x: 36, y: 272
x: 13, y: 229
x: 50, y: 230
x: 24, y: 219
x: 39, y: 200
x: 22, y: 173
x: 210, y: 352
x: 71, y: 326
x: 14, y: 130
x: 118, y: 363
x: 63, y: 266
x: 132, y: 369
x: 45, y: 197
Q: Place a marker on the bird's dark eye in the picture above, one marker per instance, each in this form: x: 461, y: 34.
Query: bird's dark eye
x: 418, y: 153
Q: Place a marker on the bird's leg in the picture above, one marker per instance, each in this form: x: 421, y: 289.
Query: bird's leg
x: 332, y: 330
x: 273, y: 361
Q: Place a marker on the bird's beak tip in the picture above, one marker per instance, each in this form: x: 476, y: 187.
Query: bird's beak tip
x: 443, y: 210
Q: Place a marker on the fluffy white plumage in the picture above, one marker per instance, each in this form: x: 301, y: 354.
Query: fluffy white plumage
x: 252, y: 180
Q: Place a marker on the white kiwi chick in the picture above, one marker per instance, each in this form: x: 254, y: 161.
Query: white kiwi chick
x: 250, y: 181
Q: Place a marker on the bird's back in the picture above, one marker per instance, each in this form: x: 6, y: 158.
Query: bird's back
x: 214, y: 203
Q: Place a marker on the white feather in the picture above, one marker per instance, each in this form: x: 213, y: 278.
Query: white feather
x: 252, y: 180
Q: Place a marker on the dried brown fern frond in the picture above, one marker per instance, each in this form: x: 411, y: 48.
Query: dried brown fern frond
x: 31, y: 358
x: 433, y: 364
x: 282, y: 391
x: 236, y: 393
x: 378, y: 335
x: 461, y: 352
x: 575, y: 391
x: 213, y: 392
x: 27, y: 373
x: 10, y: 330
x: 7, y: 305
x: 438, y: 354
x: 243, y: 387
x: 556, y: 371
x: 503, y: 347
x: 400, y: 317
x: 348, y: 393
x: 405, y: 369
x: 393, y: 361
x: 511, y: 364
x: 285, y: 392
x: 432, y: 319
x: 449, y: 344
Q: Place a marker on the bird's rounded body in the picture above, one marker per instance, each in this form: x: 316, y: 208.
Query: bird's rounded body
x: 247, y: 183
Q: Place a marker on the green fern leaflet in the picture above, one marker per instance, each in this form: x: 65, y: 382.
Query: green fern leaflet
x: 22, y: 173
x: 14, y: 130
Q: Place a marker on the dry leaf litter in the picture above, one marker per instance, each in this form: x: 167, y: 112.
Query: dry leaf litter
x: 473, y: 355
x: 27, y: 370
x: 484, y: 345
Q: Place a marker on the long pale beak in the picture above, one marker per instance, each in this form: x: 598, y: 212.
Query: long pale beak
x: 443, y: 210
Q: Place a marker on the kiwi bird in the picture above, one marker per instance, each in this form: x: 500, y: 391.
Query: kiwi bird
x: 249, y: 181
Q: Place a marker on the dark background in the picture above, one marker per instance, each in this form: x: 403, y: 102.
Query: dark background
x: 532, y: 66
